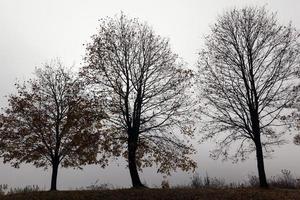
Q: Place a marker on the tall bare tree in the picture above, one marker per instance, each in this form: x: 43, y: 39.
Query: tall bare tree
x: 144, y: 87
x: 245, y: 75
x: 51, y: 122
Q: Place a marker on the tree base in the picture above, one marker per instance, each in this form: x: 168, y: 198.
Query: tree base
x: 139, y: 187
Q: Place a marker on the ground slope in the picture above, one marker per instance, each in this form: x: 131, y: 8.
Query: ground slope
x: 151, y: 194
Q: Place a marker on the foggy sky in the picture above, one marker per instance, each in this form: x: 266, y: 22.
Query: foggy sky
x: 33, y: 32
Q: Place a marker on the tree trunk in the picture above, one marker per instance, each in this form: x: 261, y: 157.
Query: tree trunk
x: 260, y: 164
x: 132, y: 147
x: 55, y: 165
x: 259, y: 151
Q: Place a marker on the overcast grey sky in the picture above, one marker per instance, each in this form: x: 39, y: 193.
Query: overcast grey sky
x: 35, y: 31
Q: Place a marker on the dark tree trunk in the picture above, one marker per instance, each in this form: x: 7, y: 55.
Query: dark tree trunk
x: 260, y: 164
x: 259, y: 151
x: 55, y: 165
x: 132, y: 147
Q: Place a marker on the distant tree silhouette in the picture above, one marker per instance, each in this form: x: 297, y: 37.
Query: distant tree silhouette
x: 245, y: 75
x: 297, y: 139
x: 144, y: 87
x: 51, y: 122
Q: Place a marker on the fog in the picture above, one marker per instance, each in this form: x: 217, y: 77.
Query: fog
x: 34, y: 32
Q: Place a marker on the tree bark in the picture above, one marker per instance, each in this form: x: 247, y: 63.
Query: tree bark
x: 260, y: 164
x: 55, y: 165
x: 132, y: 147
x: 258, y: 146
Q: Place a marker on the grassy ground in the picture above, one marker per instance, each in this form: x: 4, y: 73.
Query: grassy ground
x: 151, y: 194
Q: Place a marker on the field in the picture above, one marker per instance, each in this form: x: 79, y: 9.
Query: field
x: 151, y: 194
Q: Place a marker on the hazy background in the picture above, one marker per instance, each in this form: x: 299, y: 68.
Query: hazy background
x: 33, y: 32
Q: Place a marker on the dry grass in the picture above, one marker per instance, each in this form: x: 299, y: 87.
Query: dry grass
x: 151, y: 194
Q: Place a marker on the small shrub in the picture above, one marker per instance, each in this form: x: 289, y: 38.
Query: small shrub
x: 207, y: 182
x: 196, y: 181
x: 253, y: 180
x: 99, y: 186
x: 236, y: 185
x: 217, y: 183
x: 3, y: 188
x: 26, y: 189
x: 165, y: 183
x: 285, y: 180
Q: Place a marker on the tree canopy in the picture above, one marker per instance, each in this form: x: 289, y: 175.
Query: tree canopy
x: 143, y: 85
x: 49, y: 121
x: 246, y: 72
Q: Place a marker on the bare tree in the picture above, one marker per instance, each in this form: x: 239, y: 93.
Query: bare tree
x: 51, y: 122
x: 245, y: 75
x: 144, y: 87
